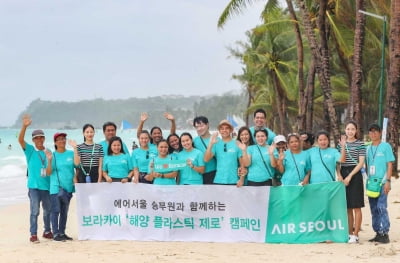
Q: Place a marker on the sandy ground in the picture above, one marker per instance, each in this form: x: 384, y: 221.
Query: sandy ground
x: 15, y: 245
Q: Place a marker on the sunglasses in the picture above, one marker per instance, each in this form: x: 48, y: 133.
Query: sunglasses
x: 224, y: 147
x: 147, y: 155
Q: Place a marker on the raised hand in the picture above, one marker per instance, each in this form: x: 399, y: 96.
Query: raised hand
x: 72, y: 143
x: 144, y: 116
x: 169, y: 116
x: 26, y: 120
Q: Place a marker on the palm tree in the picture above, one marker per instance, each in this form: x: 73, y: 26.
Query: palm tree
x: 354, y: 109
x: 393, y: 92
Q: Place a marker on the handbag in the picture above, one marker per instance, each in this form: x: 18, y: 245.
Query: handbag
x: 374, y: 186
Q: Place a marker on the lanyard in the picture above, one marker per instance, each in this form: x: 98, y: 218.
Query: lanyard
x: 374, y: 153
x: 91, y: 160
x: 41, y: 160
x: 294, y: 160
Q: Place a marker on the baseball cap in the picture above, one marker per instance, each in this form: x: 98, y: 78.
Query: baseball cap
x: 58, y: 134
x: 37, y: 133
x: 225, y: 122
x: 374, y: 127
x: 279, y: 138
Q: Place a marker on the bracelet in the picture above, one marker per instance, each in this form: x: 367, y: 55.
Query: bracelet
x: 388, y: 180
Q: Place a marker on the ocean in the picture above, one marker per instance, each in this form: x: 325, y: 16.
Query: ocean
x: 13, y: 188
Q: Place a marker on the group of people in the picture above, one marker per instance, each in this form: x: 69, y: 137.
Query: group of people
x: 255, y: 157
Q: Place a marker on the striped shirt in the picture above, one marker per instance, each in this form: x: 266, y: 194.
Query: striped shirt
x: 353, y: 151
x: 90, y: 154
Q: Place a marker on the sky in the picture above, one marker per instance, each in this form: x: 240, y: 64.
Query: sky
x: 72, y: 50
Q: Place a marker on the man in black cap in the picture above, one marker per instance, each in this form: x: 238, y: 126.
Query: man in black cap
x: 379, y: 162
x: 38, y: 179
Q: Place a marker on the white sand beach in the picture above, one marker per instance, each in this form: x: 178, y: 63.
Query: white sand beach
x: 15, y: 245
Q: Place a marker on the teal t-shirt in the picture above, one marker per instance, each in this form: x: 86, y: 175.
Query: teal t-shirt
x: 258, y: 171
x: 379, y: 156
x: 63, y: 171
x: 297, y: 165
x: 117, y: 166
x: 36, y: 160
x: 163, y: 181
x: 227, y: 155
x: 141, y: 158
x: 319, y: 157
x: 201, y: 144
x: 271, y: 135
x: 105, y: 147
x: 188, y: 175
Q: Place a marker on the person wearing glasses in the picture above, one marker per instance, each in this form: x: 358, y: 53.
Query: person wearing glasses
x: 141, y: 157
x: 260, y: 123
x: 294, y: 164
x: 260, y: 161
x: 227, y: 153
x: 201, y: 142
x: 379, y: 160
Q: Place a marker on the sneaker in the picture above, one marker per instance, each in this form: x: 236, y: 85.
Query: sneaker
x: 59, y: 238
x: 382, y: 238
x: 352, y: 239
x: 66, y: 237
x: 34, y: 239
x: 48, y: 235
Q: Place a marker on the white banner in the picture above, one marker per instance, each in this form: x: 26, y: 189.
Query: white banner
x: 212, y: 213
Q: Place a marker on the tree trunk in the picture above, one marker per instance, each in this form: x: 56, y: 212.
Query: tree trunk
x: 309, y: 97
x: 301, y: 118
x: 321, y: 57
x: 279, y: 102
x: 393, y: 102
x: 354, y: 108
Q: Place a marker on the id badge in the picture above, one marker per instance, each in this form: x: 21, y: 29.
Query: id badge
x: 43, y: 172
x: 372, y: 170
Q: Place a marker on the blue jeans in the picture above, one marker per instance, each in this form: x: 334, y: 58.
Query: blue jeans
x: 35, y: 197
x: 59, y: 214
x: 379, y: 213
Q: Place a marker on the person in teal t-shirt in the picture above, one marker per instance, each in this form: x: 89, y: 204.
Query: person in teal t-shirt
x: 192, y: 173
x: 260, y: 162
x: 61, y: 179
x: 168, y: 175
x: 38, y: 181
x: 260, y: 123
x: 379, y: 162
x: 324, y: 160
x: 295, y: 165
x: 141, y: 157
x: 109, y: 131
x: 227, y: 153
x: 202, y: 126
x: 117, y: 166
